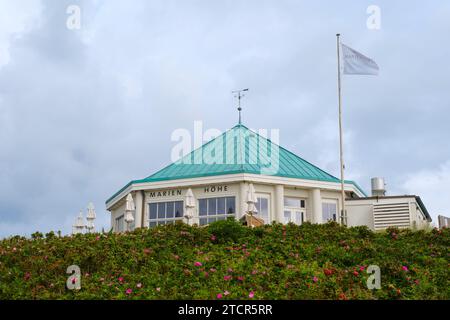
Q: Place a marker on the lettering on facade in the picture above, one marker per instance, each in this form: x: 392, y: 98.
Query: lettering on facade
x: 213, y: 189
x: 167, y: 193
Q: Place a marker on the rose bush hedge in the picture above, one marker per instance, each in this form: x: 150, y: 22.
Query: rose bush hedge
x: 188, y: 262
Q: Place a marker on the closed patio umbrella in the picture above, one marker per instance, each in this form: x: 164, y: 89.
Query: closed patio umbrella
x: 251, y: 200
x: 90, y: 217
x: 129, y: 209
x: 189, y: 205
x: 79, y: 223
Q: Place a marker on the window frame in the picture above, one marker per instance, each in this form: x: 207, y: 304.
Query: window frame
x: 330, y: 202
x: 215, y: 217
x: 292, y: 209
x: 163, y: 221
x: 301, y: 199
x: 267, y: 197
x: 122, y: 219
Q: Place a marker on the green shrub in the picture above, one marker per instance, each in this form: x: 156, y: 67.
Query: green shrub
x: 228, y: 230
x: 188, y: 262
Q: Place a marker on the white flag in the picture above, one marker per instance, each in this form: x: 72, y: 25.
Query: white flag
x: 357, y: 63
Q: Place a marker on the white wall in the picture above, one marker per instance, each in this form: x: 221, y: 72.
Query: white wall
x: 359, y: 214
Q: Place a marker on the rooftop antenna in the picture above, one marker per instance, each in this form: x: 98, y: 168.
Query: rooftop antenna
x: 239, y: 94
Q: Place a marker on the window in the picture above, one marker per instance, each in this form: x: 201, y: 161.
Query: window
x: 294, y: 202
x: 160, y: 213
x: 120, y: 224
x: 294, y: 216
x: 262, y: 206
x: 294, y: 210
x: 329, y: 211
x: 214, y: 209
x: 133, y: 224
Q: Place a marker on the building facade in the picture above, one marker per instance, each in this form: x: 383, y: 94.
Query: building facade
x: 218, y: 176
x: 381, y: 212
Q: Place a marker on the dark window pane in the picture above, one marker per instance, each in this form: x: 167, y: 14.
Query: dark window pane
x: 161, y: 222
x: 170, y: 209
x: 161, y: 210
x: 202, y: 207
x: 152, y: 210
x: 203, y: 221
x: 221, y: 206
x: 302, y: 204
x: 152, y: 224
x: 220, y: 218
x: 212, y: 208
x: 231, y: 206
x: 179, y: 209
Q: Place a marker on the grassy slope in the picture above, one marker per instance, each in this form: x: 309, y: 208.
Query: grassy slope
x: 273, y: 262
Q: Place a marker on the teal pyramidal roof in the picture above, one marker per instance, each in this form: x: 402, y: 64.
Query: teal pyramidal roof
x: 239, y: 150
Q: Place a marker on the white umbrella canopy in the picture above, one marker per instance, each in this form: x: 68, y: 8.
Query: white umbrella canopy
x: 80, y: 221
x: 189, y: 200
x: 91, y: 212
x: 90, y: 217
x: 129, y: 206
x: 79, y: 224
x: 189, y: 204
x: 251, y: 200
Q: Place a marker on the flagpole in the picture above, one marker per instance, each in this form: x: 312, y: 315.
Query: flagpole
x: 341, y: 149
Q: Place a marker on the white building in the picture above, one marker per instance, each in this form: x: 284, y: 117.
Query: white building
x: 379, y: 213
x: 288, y: 188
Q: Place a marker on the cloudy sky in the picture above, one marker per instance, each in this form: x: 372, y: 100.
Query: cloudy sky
x: 83, y: 111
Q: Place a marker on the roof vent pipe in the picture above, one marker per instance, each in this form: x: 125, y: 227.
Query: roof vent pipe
x: 378, y: 187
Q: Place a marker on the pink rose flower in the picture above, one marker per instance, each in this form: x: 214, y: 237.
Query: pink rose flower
x: 198, y: 264
x: 219, y: 296
x: 139, y: 285
x: 405, y: 268
x: 315, y: 279
x: 158, y: 289
x: 251, y: 294
x: 129, y: 291
x: 226, y: 293
x: 226, y: 278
